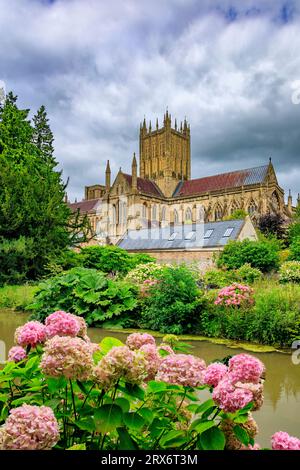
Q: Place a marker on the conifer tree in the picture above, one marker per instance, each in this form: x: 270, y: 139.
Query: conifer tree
x: 43, y: 137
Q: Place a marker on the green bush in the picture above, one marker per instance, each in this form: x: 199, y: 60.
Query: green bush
x: 16, y: 260
x: 263, y: 255
x: 274, y: 318
x: 294, y: 231
x: 174, y: 303
x: 216, y: 278
x: 88, y: 293
x: 68, y: 259
x: 18, y: 297
x: 290, y: 272
x: 248, y: 274
x: 144, y: 271
x: 111, y: 259
x: 295, y: 249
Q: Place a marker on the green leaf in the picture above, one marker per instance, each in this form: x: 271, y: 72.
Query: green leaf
x: 108, y: 418
x: 126, y: 441
x: 156, y: 387
x: 108, y: 343
x: 134, y: 420
x: 134, y: 391
x: 147, y: 414
x: 55, y: 384
x: 205, y: 406
x: 173, y: 439
x: 212, y: 439
x: 241, y: 434
x: 77, y: 447
x: 200, y: 426
x: 86, y: 424
x: 123, y: 403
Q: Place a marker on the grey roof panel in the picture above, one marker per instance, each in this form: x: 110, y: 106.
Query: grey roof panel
x: 158, y: 238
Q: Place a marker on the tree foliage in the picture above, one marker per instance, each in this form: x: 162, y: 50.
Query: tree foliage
x: 32, y: 207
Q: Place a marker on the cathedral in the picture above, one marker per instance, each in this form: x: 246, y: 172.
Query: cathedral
x: 160, y: 191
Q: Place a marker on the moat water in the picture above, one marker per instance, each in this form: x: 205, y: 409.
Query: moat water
x: 281, y: 409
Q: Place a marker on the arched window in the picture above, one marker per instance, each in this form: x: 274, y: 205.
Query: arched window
x: 176, y: 217
x: 188, y: 215
x: 144, y: 211
x: 124, y: 213
x: 163, y: 214
x: 114, y: 214
x: 252, y: 208
x: 234, y: 208
x: 275, y: 201
x: 218, y: 213
x: 154, y: 212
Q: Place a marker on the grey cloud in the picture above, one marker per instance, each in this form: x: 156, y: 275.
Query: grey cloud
x: 100, y: 66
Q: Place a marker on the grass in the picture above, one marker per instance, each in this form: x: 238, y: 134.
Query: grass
x: 17, y: 297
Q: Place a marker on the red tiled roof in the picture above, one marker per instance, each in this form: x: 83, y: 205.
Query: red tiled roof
x: 145, y: 185
x: 83, y: 206
x: 223, y: 181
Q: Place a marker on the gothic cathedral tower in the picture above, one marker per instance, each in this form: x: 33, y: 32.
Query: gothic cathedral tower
x: 165, y: 155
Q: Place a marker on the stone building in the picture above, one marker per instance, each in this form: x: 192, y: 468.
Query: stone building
x: 163, y: 192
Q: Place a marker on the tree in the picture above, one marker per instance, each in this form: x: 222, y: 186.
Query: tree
x: 32, y: 207
x: 272, y: 225
x: 236, y: 215
x: 43, y: 137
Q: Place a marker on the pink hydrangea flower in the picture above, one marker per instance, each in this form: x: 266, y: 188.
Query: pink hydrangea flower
x: 283, y: 441
x: 257, y: 392
x: 230, y: 398
x: 17, y: 354
x: 214, y: 373
x: 235, y: 294
x: 82, y: 325
x: 137, y: 340
x: 119, y: 362
x: 165, y: 347
x: 153, y: 360
x: 30, y: 334
x: 29, y: 428
x: 68, y: 357
x: 181, y: 369
x: 61, y: 323
x: 245, y: 368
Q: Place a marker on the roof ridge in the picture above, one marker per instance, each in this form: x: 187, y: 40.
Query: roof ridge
x: 229, y: 172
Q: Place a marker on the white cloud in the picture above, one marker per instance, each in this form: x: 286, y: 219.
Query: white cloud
x: 100, y: 66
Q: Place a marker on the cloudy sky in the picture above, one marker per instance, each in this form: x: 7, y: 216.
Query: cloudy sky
x: 232, y: 67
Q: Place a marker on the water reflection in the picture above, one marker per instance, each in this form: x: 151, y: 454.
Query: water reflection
x: 281, y: 409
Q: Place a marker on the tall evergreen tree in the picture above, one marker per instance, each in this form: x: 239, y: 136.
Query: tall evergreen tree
x: 32, y: 207
x: 43, y: 137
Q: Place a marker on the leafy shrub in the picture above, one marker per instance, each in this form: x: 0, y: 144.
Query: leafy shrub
x: 111, y: 259
x: 248, y: 274
x: 88, y: 293
x: 16, y: 260
x: 295, y: 249
x: 294, y: 231
x: 68, y: 259
x: 273, y: 319
x: 290, y: 272
x: 217, y: 278
x: 236, y: 215
x: 272, y: 224
x: 142, y: 272
x: 18, y: 297
x: 263, y: 255
x: 174, y: 302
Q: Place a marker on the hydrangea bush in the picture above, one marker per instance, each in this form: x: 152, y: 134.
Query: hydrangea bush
x: 235, y: 295
x: 64, y: 392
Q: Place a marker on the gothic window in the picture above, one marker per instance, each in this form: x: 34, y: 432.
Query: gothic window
x: 176, y: 217
x: 252, y: 208
x: 218, y: 213
x: 144, y: 211
x: 114, y: 214
x: 163, y: 214
x: 234, y: 208
x: 275, y: 201
x: 188, y: 215
x: 154, y: 212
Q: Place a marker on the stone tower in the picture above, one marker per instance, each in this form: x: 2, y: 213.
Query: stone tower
x: 165, y: 155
